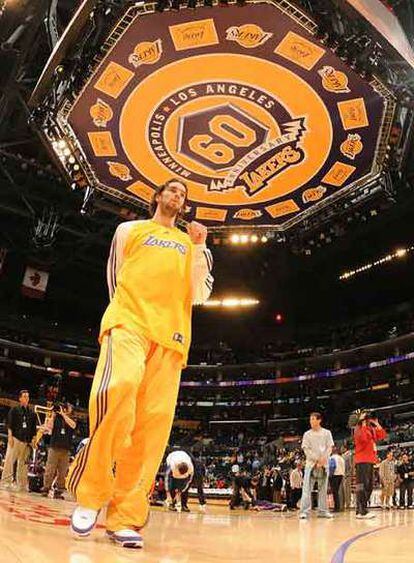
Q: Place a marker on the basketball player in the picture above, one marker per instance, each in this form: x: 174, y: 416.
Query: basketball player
x: 155, y: 274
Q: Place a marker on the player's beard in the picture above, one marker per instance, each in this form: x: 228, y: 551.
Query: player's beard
x: 170, y: 211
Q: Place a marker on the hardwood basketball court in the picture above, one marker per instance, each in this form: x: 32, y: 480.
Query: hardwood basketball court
x: 35, y: 530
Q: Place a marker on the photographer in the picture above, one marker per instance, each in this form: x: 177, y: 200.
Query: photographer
x: 405, y: 472
x: 367, y: 432
x: 21, y: 429
x: 59, y: 450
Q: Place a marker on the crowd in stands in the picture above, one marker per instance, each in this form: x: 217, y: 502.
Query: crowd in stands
x: 312, y: 341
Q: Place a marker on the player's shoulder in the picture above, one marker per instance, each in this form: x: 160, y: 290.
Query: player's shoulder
x: 129, y: 225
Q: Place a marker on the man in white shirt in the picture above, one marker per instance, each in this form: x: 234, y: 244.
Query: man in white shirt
x: 336, y: 478
x: 178, y: 476
x: 317, y: 444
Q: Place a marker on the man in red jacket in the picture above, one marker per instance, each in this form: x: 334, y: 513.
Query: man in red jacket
x: 367, y: 433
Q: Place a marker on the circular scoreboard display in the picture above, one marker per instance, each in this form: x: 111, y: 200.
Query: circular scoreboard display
x: 260, y: 120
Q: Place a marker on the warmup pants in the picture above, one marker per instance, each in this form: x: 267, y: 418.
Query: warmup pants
x: 347, y: 491
x: 20, y: 453
x: 336, y: 482
x: 387, y: 492
x: 364, y: 485
x: 295, y: 496
x: 309, y: 481
x: 56, y: 466
x: 198, y: 484
x: 179, y: 486
x: 406, y: 488
x: 131, y: 410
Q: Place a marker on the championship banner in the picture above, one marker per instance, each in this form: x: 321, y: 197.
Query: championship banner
x: 262, y: 121
x: 35, y: 283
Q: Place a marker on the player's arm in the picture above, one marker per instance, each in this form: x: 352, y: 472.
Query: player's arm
x: 328, y: 449
x: 116, y: 255
x: 202, y: 279
x: 306, y: 447
x: 10, y: 423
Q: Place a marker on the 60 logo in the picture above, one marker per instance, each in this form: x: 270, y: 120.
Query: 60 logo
x: 224, y: 135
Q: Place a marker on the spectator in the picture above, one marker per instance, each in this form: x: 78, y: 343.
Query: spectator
x: 241, y: 490
x: 367, y: 433
x: 178, y: 477
x: 296, y: 484
x: 256, y: 463
x: 387, y: 475
x: 406, y: 475
x: 264, y: 491
x: 198, y: 479
x: 348, y: 458
x: 317, y: 444
x: 59, y: 451
x: 21, y: 424
x: 277, y: 485
x: 336, y: 478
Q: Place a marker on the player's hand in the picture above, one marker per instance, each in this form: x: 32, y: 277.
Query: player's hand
x: 197, y: 232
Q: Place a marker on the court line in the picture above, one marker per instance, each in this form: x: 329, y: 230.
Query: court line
x: 339, y: 554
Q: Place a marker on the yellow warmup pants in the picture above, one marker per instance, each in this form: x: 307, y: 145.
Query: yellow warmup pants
x: 131, y: 410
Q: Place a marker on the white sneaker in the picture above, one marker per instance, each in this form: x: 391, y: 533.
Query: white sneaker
x: 126, y: 538
x: 5, y: 486
x: 202, y: 508
x: 83, y: 521
x: 327, y: 515
x: 303, y: 516
x: 367, y: 516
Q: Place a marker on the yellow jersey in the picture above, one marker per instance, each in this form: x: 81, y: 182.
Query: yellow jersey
x: 155, y: 274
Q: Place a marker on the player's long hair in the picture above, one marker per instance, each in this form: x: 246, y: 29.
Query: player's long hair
x: 153, y: 204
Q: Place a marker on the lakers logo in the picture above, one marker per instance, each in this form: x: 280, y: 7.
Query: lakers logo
x: 334, y: 80
x: 257, y: 177
x: 119, y: 170
x: 146, y: 53
x: 352, y: 146
x: 313, y: 194
x: 247, y: 214
x: 249, y: 109
x: 248, y: 35
x: 225, y: 146
x: 101, y: 113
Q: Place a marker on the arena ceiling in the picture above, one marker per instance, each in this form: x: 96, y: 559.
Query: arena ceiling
x: 43, y: 220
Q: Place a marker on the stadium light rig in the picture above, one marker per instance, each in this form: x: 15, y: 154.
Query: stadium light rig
x: 247, y: 239
x: 398, y: 254
x: 231, y: 303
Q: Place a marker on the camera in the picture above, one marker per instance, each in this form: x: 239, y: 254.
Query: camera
x: 361, y: 414
x: 58, y: 406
